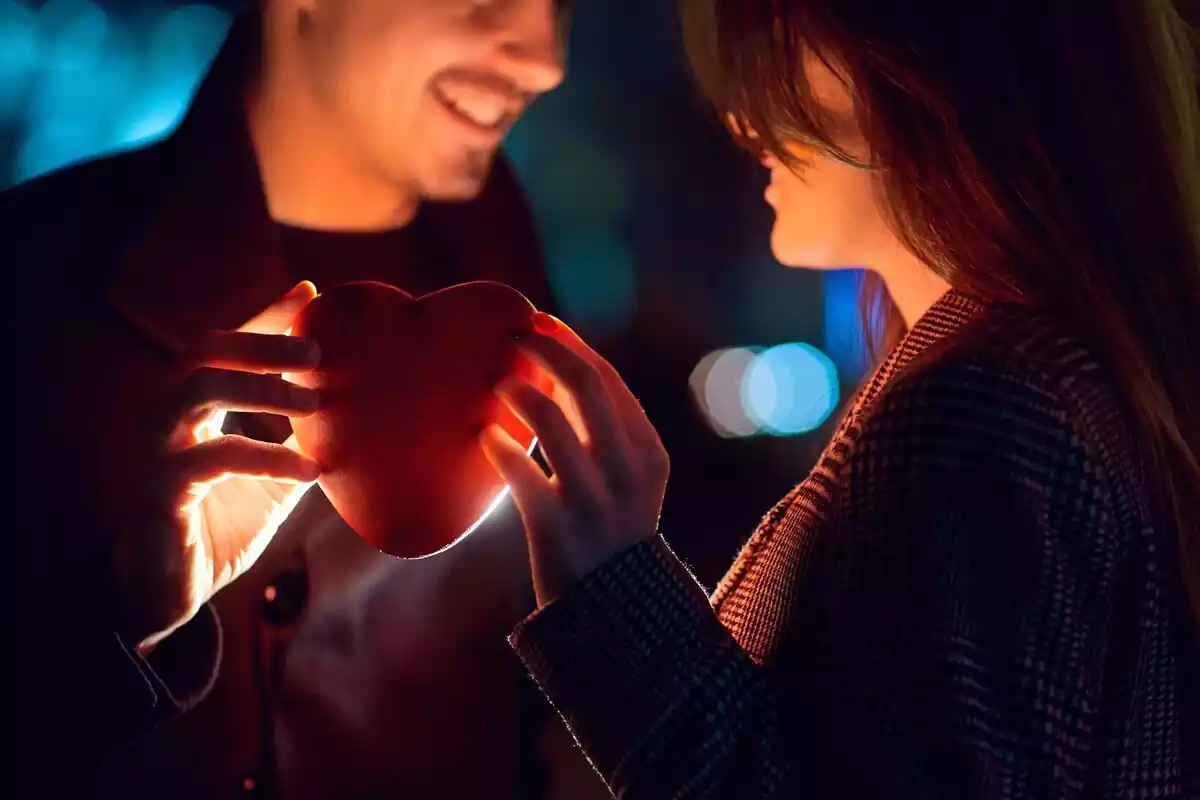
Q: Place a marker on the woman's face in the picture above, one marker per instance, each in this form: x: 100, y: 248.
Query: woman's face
x: 827, y: 215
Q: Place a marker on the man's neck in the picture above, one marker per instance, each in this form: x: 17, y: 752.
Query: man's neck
x: 309, y: 177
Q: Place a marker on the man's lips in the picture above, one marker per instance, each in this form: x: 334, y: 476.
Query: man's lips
x: 487, y: 102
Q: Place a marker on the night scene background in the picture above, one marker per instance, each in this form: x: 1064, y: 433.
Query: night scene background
x: 652, y: 220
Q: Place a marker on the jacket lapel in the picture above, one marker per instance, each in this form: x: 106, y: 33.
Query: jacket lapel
x: 208, y: 257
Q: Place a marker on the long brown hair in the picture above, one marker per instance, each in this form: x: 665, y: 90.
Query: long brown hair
x: 1037, y: 152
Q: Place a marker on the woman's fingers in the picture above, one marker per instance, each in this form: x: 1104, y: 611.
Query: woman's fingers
x: 605, y: 432
x: 615, y: 408
x: 577, y: 475
x: 531, y: 490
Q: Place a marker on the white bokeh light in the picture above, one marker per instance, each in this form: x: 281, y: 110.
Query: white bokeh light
x: 785, y: 390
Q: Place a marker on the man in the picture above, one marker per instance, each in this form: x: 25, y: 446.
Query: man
x: 330, y: 142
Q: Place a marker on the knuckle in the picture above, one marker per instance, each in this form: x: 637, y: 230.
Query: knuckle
x: 280, y: 349
x: 204, y: 386
x: 657, y: 461
x: 596, y: 507
x: 263, y: 347
x: 625, y: 478
x: 273, y: 390
x: 584, y: 376
x: 203, y: 348
x: 539, y: 405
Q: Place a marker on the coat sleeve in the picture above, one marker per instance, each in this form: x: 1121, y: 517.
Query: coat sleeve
x: 78, y: 690
x: 944, y: 638
x: 85, y: 691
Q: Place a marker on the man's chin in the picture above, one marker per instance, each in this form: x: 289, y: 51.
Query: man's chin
x: 460, y: 192
x: 461, y: 183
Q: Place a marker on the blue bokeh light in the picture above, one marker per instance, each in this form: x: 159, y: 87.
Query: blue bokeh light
x: 790, y: 389
x: 786, y: 390
x: 843, y: 337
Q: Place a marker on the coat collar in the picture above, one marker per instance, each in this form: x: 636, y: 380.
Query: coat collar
x: 209, y: 256
x: 941, y: 325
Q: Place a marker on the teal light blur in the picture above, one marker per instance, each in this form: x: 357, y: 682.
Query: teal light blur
x: 592, y: 276
x: 20, y: 54
x: 582, y: 195
x: 790, y: 389
x: 85, y: 82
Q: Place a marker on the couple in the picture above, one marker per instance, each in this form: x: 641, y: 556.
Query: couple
x: 989, y: 585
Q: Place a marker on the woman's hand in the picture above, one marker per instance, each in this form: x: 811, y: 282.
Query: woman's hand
x: 607, y: 489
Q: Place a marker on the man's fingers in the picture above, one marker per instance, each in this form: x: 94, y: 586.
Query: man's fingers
x: 209, y: 390
x: 254, y: 352
x: 237, y: 455
x: 278, y: 318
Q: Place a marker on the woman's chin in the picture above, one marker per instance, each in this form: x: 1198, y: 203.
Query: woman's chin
x: 800, y: 255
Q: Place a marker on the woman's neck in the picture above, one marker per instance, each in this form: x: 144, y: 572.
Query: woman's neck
x: 913, y: 287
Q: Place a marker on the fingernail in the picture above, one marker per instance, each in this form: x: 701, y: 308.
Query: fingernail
x: 544, y: 323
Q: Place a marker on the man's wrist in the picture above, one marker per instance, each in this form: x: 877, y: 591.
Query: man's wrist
x: 144, y: 600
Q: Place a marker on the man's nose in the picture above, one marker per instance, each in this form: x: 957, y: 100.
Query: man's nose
x: 533, y: 50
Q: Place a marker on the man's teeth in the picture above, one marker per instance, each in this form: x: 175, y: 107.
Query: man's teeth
x: 486, y: 111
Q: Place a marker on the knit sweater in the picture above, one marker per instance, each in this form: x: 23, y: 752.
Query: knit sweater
x: 970, y: 596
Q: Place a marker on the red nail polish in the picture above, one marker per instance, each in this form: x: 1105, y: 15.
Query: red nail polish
x: 544, y: 323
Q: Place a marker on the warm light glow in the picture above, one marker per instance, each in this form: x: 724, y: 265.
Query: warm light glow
x: 495, y: 504
x: 209, y: 428
x: 282, y: 501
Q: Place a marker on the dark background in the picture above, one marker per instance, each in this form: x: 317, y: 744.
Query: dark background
x: 653, y: 222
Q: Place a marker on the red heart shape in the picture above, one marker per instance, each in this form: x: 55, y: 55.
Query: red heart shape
x: 406, y: 388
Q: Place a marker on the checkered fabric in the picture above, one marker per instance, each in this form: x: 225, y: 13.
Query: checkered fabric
x: 969, y: 597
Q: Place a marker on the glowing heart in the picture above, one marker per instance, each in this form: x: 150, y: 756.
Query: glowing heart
x: 406, y: 387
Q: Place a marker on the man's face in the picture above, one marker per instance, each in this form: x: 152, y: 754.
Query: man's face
x: 421, y: 92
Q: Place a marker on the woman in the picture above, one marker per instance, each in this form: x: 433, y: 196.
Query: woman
x: 989, y: 586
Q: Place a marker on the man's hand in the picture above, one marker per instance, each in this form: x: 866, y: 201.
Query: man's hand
x: 209, y: 504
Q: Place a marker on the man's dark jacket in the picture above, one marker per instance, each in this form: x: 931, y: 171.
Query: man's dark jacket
x: 109, y: 263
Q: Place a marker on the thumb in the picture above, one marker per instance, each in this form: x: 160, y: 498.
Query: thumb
x: 280, y: 315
